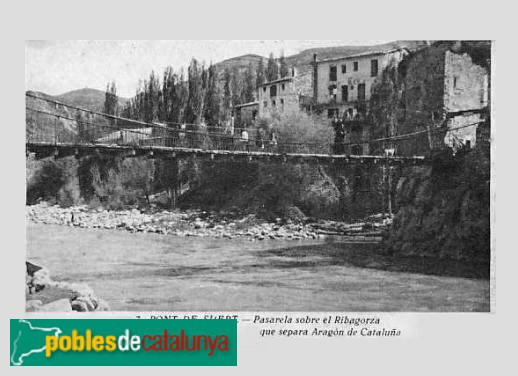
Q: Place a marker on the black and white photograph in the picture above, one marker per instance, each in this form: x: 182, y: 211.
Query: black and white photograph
x: 258, y: 175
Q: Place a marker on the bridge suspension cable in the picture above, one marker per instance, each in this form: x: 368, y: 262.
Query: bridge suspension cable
x: 161, y: 135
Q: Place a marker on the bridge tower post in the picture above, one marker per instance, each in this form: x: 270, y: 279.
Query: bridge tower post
x: 389, y: 190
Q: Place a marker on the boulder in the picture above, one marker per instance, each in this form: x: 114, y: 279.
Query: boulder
x: 61, y: 305
x: 294, y: 214
x: 33, y: 305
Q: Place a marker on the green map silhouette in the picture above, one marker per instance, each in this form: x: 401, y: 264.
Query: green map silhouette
x: 30, y: 340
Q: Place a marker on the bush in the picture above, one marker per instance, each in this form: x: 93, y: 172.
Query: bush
x: 301, y: 129
x: 272, y: 189
x: 284, y: 186
x: 69, y: 194
x: 137, y: 177
x: 101, y: 181
x: 52, y: 180
x: 107, y: 186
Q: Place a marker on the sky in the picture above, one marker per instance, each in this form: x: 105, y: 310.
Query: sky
x: 55, y: 67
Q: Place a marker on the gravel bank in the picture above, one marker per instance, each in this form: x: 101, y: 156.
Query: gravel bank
x: 204, y: 224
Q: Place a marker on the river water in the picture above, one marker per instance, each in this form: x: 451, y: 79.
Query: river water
x: 152, y: 272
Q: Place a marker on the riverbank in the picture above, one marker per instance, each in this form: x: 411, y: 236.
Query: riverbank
x: 206, y: 224
x: 44, y: 294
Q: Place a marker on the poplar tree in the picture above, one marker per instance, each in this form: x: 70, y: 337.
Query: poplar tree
x: 110, y: 99
x: 284, y: 69
x: 260, y: 76
x: 236, y: 87
x: 195, y: 97
x: 248, y: 92
x: 152, y: 98
x: 227, y: 92
x: 272, y: 69
x: 171, y: 101
x: 212, y: 100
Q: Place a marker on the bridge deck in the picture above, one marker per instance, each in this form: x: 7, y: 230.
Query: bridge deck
x: 52, y: 131
x: 43, y: 149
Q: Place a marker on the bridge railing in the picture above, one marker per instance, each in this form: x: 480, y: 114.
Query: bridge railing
x: 52, y: 122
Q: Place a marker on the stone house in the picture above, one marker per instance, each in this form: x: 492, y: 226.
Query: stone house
x: 277, y: 96
x: 445, y: 94
x: 284, y: 95
x: 335, y: 85
x: 344, y: 84
x: 441, y: 87
x: 338, y: 86
x: 245, y: 114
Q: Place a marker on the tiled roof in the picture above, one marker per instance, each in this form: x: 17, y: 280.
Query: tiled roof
x: 277, y: 81
x: 363, y: 54
x: 247, y: 104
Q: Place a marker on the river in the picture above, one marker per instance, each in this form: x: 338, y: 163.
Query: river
x: 153, y: 272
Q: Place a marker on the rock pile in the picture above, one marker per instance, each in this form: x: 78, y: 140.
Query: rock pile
x: 201, y: 223
x: 370, y: 226
x: 54, y: 296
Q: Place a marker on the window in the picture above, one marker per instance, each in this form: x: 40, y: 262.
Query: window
x: 345, y: 93
x: 455, y: 81
x: 282, y: 103
x: 361, y: 92
x: 355, y: 66
x: 264, y: 89
x: 374, y: 68
x: 344, y: 68
x: 273, y: 91
x: 273, y: 103
x: 332, y: 73
x: 283, y: 87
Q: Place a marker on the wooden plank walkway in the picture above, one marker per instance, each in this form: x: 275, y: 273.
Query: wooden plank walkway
x: 46, y: 149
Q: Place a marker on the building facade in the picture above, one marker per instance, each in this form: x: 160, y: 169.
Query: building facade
x: 245, y: 114
x: 441, y: 88
x: 336, y: 85
x: 446, y: 94
x: 285, y: 95
x: 466, y: 95
x: 344, y: 84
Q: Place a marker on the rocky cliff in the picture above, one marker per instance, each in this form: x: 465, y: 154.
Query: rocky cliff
x: 444, y: 209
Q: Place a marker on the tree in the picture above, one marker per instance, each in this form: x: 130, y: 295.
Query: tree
x: 194, y: 107
x: 172, y: 103
x: 272, y: 69
x: 137, y: 178
x: 247, y: 95
x: 110, y: 99
x: 167, y: 177
x: 236, y: 87
x: 284, y: 69
x: 260, y: 75
x: 151, y: 98
x: 212, y: 102
x: 183, y: 95
x: 386, y: 107
x: 227, y: 93
x: 82, y: 128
